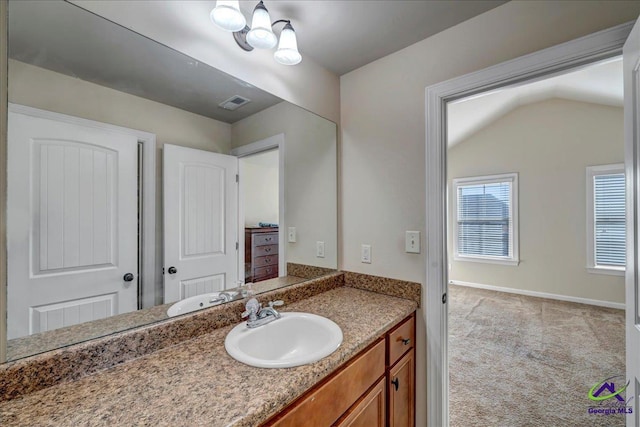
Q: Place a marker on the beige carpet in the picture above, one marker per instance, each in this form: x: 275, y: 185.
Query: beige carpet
x: 524, y: 361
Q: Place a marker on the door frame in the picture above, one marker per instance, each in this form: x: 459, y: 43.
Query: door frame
x: 276, y: 141
x: 147, y: 269
x: 528, y: 68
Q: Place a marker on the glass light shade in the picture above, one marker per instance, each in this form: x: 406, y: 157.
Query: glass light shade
x: 227, y: 15
x: 261, y: 36
x: 287, y: 52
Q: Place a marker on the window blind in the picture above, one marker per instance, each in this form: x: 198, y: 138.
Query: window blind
x: 485, y: 226
x: 609, y: 220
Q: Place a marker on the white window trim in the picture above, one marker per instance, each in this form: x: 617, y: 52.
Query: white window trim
x: 591, y: 258
x: 489, y: 179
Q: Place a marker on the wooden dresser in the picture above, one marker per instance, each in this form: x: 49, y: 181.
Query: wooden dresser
x: 260, y: 253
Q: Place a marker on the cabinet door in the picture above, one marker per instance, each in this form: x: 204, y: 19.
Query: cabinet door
x: 402, y: 392
x: 370, y: 412
x: 324, y: 406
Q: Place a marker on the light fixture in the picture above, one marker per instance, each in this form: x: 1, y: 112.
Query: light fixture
x: 260, y: 35
x: 227, y: 15
x: 287, y: 52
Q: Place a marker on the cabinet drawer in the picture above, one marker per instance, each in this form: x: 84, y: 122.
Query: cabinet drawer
x: 326, y: 404
x: 264, y: 272
x: 400, y: 340
x: 265, y: 250
x: 265, y: 239
x: 262, y: 261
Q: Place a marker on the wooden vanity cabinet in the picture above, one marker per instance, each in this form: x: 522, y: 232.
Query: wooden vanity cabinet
x: 376, y: 388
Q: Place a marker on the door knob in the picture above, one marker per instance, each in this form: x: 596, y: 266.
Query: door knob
x: 128, y: 277
x: 172, y: 270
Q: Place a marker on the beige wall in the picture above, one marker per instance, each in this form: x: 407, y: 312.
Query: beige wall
x: 310, y: 176
x: 185, y: 26
x: 383, y: 126
x: 260, y: 186
x: 47, y: 90
x: 549, y: 144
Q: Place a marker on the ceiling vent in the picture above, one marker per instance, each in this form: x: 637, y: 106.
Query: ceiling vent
x: 234, y: 102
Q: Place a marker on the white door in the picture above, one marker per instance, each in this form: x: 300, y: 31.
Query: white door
x: 631, y: 58
x: 71, y: 224
x: 200, y: 222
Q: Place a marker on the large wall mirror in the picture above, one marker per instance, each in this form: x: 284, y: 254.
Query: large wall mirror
x: 144, y: 184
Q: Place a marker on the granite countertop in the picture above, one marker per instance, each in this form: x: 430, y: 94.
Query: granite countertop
x: 196, y: 382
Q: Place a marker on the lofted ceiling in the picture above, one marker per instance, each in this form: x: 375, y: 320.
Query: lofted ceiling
x: 599, y: 83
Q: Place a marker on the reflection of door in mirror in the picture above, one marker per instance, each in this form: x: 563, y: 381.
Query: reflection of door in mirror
x: 200, y: 222
x: 260, y: 214
x: 72, y: 223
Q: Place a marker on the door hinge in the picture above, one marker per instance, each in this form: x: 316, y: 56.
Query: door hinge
x: 162, y: 270
x: 444, y: 298
x: 237, y: 178
x: 237, y: 246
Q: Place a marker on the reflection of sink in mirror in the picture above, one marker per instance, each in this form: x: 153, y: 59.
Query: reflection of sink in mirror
x: 198, y: 302
x: 292, y: 340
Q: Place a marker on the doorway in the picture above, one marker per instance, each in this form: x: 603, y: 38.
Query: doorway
x: 536, y: 248
x: 262, y: 210
x: 553, y: 61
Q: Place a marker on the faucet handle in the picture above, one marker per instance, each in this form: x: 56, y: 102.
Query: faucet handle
x: 252, y: 307
x: 276, y: 303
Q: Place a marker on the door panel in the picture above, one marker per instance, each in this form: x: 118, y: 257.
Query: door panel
x: 631, y: 59
x: 200, y: 222
x: 74, y: 194
x: 72, y: 223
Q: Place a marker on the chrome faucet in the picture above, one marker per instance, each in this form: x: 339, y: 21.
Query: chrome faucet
x: 223, y: 297
x: 258, y: 315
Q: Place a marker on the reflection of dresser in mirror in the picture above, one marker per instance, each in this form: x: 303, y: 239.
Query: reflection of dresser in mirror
x: 260, y: 253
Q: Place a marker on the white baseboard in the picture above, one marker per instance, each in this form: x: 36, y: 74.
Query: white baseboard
x: 599, y: 303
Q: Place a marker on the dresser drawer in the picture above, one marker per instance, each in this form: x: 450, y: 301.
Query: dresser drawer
x: 265, y: 272
x: 327, y: 403
x: 263, y: 261
x: 265, y: 250
x: 265, y: 239
x: 400, y: 340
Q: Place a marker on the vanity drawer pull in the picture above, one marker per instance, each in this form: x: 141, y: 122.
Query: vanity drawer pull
x: 406, y: 341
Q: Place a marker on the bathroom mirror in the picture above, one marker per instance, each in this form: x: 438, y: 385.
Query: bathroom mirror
x: 71, y: 70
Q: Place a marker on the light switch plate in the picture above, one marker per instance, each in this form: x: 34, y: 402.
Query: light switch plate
x: 412, y: 242
x: 291, y: 235
x: 365, y: 256
x: 320, y: 249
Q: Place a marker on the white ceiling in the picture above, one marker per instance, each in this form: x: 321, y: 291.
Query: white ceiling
x: 599, y: 83
x: 345, y: 35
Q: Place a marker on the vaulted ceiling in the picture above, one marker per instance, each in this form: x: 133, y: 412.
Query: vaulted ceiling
x: 599, y: 83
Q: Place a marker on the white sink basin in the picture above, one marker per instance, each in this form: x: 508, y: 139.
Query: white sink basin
x: 199, y: 302
x: 293, y: 340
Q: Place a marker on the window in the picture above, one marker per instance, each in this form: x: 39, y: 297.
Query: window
x: 486, y: 222
x: 606, y: 222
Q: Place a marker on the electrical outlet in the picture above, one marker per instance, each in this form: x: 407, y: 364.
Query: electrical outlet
x: 412, y: 242
x: 291, y: 235
x: 366, y: 254
x: 320, y: 249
